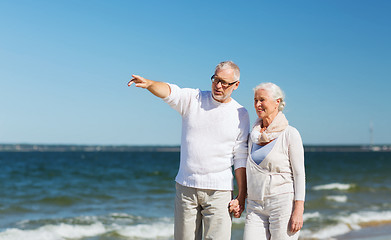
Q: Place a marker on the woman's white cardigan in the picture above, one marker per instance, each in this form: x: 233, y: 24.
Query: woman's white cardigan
x: 282, y: 171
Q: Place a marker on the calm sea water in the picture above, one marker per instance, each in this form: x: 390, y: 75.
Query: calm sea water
x: 129, y: 195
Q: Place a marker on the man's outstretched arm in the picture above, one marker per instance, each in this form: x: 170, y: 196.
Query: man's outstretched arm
x: 159, y: 89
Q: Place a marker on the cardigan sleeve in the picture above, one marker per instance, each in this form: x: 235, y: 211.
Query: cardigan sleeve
x: 296, y: 157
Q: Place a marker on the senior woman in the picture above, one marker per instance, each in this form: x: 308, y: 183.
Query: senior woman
x: 275, y: 171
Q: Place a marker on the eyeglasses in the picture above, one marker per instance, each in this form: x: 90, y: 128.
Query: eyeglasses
x: 223, y: 83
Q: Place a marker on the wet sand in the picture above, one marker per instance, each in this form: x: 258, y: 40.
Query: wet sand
x: 382, y: 232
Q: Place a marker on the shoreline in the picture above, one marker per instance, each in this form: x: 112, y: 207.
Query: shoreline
x: 379, y: 232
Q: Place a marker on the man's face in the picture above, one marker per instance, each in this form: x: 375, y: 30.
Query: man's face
x: 220, y: 93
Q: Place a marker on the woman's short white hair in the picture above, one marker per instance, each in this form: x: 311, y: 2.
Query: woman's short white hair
x: 229, y: 65
x: 274, y: 91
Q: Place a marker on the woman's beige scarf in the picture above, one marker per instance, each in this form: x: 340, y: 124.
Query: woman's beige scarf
x: 274, y: 130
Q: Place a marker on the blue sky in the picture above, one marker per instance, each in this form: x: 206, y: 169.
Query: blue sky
x: 64, y: 66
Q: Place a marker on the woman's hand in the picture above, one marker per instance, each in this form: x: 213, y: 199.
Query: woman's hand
x: 296, y: 221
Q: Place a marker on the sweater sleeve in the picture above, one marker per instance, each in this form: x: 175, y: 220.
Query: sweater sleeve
x: 241, y: 144
x: 180, y: 98
x: 296, y: 156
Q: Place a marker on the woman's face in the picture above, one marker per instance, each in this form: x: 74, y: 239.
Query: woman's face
x: 265, y: 106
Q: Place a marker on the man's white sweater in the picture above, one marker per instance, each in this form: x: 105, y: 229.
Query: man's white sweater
x: 214, y: 137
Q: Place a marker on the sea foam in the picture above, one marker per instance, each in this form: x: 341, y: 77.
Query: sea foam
x: 54, y: 232
x: 148, y: 231
x: 328, y: 232
x: 92, y: 226
x: 338, y: 186
x: 346, y: 224
x: 366, y: 218
x: 338, y: 198
x: 307, y: 216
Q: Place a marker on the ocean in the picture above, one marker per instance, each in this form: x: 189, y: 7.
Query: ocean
x: 99, y: 195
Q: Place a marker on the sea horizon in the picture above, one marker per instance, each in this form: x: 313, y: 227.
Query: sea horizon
x: 31, y: 147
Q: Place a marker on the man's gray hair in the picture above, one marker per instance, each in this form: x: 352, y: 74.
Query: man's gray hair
x: 274, y: 91
x: 229, y: 65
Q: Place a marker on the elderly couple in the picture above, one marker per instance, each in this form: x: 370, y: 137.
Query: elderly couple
x: 268, y: 160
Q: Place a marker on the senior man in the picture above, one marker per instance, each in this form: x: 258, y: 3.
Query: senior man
x: 214, y: 137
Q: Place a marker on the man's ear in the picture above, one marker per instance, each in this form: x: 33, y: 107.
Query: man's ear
x: 236, y: 85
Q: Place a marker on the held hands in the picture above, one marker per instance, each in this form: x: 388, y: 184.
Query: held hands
x: 139, y: 82
x: 236, y: 208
